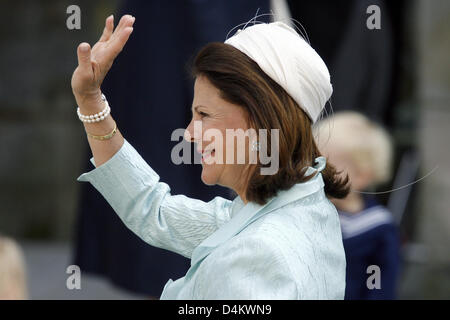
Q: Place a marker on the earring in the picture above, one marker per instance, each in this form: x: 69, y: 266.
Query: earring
x: 255, y: 146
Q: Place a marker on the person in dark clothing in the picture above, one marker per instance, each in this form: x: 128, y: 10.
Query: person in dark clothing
x: 362, y: 149
x: 362, y: 61
x: 370, y: 239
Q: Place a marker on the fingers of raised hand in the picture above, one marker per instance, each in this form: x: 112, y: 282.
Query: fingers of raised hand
x: 120, y: 35
x: 108, y: 30
x: 84, y: 59
x: 101, y: 56
x: 126, y: 21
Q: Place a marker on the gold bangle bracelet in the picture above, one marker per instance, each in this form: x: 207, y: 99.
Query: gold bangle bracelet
x: 105, y: 137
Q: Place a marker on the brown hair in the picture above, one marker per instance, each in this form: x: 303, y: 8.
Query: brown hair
x: 241, y: 81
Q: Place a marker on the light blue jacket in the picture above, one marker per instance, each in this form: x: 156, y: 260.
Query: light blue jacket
x: 290, y: 248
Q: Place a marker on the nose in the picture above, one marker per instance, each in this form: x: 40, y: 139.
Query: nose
x: 189, y: 133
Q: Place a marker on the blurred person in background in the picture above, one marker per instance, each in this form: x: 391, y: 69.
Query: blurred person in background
x: 362, y: 149
x: 13, y: 280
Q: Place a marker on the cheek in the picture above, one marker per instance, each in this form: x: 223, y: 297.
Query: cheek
x: 208, y: 134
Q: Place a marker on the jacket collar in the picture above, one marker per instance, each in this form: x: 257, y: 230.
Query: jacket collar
x: 244, y: 214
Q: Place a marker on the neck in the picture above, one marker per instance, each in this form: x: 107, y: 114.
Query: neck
x: 240, y: 190
x: 242, y: 196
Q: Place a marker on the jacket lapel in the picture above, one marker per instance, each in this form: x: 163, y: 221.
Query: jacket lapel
x: 249, y: 213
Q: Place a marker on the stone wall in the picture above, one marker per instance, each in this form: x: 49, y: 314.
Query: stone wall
x: 42, y: 142
x: 433, y: 47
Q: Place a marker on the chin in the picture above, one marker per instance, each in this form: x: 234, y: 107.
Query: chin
x: 209, y: 176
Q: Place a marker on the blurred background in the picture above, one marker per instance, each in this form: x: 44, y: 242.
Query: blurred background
x: 398, y: 76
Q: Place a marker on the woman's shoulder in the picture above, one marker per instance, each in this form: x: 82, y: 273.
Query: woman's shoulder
x: 283, y: 245
x: 294, y: 228
x: 267, y: 247
x: 312, y: 216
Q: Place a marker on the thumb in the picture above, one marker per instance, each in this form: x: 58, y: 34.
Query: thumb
x: 84, y: 57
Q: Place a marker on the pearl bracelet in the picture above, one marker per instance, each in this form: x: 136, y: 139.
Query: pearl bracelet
x: 98, y: 116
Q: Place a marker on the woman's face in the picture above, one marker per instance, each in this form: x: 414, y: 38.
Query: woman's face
x: 211, y: 116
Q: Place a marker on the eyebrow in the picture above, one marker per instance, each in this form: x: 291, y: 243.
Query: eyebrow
x: 196, y: 107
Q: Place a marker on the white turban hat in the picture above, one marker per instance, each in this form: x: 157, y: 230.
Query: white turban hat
x: 290, y: 61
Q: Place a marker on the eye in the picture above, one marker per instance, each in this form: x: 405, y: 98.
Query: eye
x: 201, y: 113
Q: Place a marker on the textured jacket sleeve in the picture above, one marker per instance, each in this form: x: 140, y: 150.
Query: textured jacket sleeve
x: 146, y: 206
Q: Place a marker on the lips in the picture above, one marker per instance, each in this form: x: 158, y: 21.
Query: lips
x: 208, y: 153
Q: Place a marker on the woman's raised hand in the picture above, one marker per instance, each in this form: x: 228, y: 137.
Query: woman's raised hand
x: 94, y: 64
